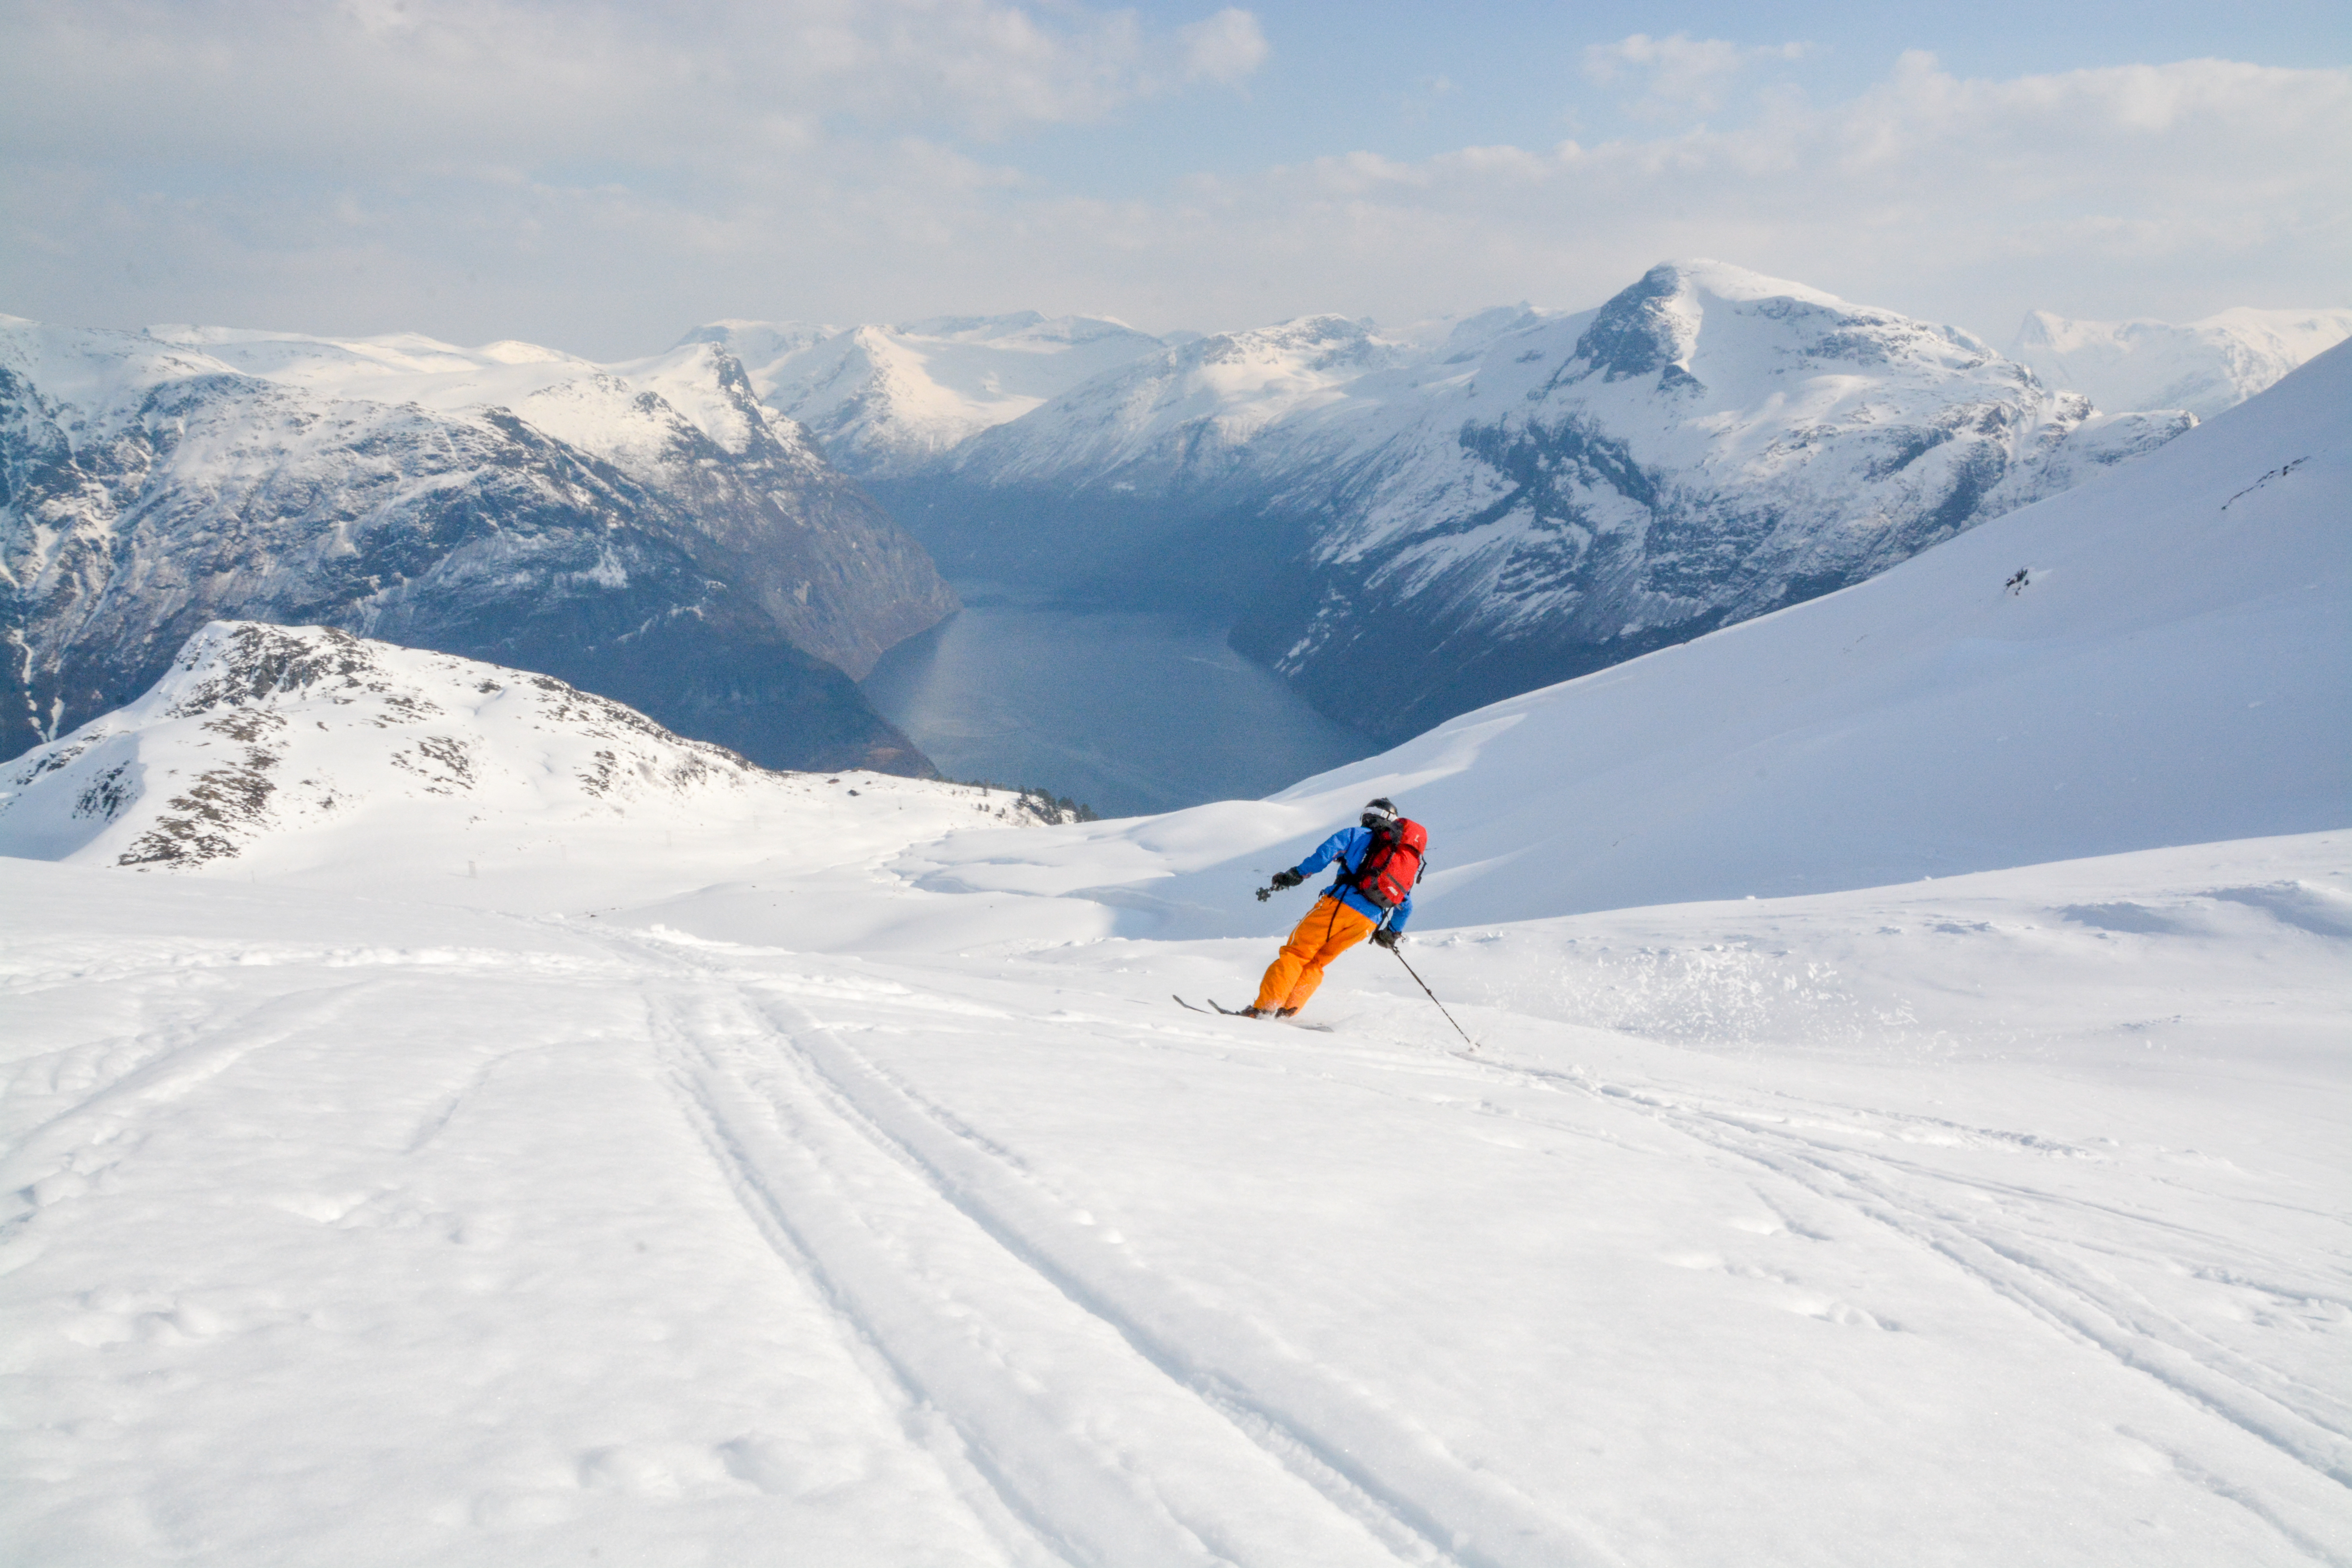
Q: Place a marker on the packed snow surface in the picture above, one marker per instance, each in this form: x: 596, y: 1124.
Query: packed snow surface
x: 2205, y: 367
x: 693, y: 1189
x: 747, y: 1167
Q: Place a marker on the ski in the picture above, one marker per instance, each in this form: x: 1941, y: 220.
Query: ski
x: 1216, y: 1006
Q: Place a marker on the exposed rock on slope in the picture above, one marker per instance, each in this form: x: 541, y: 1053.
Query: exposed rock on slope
x: 262, y: 733
x: 1417, y: 531
x: 647, y: 531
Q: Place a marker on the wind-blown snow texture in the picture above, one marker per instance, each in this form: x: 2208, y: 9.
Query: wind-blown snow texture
x: 1417, y: 531
x: 2204, y: 367
x: 713, y: 1166
x: 644, y: 530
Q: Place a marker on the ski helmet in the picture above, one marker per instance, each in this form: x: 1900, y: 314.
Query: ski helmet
x: 1379, y: 813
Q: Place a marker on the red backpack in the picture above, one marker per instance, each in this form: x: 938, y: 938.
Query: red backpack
x: 1391, y: 864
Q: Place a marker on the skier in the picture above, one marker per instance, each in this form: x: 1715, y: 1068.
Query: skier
x: 1380, y: 860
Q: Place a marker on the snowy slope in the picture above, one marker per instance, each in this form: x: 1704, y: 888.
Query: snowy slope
x: 1415, y: 529
x: 2204, y: 367
x: 625, y: 526
x: 883, y: 397
x: 689, y: 1188
x: 2175, y: 667
x: 287, y: 747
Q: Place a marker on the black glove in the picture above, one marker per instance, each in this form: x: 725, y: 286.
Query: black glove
x: 1387, y: 937
x: 1287, y: 878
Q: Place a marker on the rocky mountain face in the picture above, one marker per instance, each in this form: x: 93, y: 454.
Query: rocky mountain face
x: 263, y: 735
x: 885, y: 398
x: 1409, y: 531
x: 647, y: 531
x: 2204, y: 367
x: 256, y: 728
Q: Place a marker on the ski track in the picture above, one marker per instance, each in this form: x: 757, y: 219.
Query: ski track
x: 802, y: 1122
x: 1092, y: 1412
x: 2066, y: 1294
x: 59, y: 1155
x: 1397, y: 1483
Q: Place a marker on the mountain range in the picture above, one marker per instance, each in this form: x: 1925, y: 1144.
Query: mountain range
x: 886, y: 398
x: 2159, y: 656
x: 647, y: 531
x: 1409, y: 523
x: 1407, y: 530
x: 2204, y: 367
x: 1404, y: 524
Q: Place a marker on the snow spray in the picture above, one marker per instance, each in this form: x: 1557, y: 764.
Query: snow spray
x: 1425, y: 991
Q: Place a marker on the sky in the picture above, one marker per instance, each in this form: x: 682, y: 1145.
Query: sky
x: 602, y: 178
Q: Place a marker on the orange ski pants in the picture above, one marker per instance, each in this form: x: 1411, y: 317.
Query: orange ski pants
x: 1331, y: 929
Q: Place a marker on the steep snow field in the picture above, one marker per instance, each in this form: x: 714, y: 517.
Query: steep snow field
x: 713, y: 1167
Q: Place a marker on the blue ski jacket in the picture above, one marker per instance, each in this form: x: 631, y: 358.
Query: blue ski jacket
x: 1347, y: 846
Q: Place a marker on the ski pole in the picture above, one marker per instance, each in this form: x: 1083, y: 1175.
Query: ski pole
x: 1425, y: 991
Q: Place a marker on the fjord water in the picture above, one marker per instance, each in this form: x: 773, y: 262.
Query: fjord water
x: 1129, y: 711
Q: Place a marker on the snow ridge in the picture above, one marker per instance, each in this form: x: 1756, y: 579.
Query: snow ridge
x: 308, y: 725
x: 509, y: 501
x: 2204, y: 367
x: 287, y: 744
x: 882, y: 398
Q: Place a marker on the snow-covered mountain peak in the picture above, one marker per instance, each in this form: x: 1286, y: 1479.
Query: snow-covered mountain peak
x: 260, y: 730
x: 309, y: 744
x: 511, y: 500
x: 600, y: 408
x: 758, y: 343
x: 1537, y: 494
x: 1187, y: 407
x: 96, y: 378
x: 510, y: 351
x: 1742, y: 321
x: 883, y: 396
x: 2205, y: 367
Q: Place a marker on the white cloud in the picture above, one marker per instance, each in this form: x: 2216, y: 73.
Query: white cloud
x: 1679, y: 71
x: 588, y: 179
x: 391, y: 80
x: 1224, y: 47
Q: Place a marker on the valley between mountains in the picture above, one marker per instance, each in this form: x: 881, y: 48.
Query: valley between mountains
x: 447, y: 1116
x: 1400, y: 524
